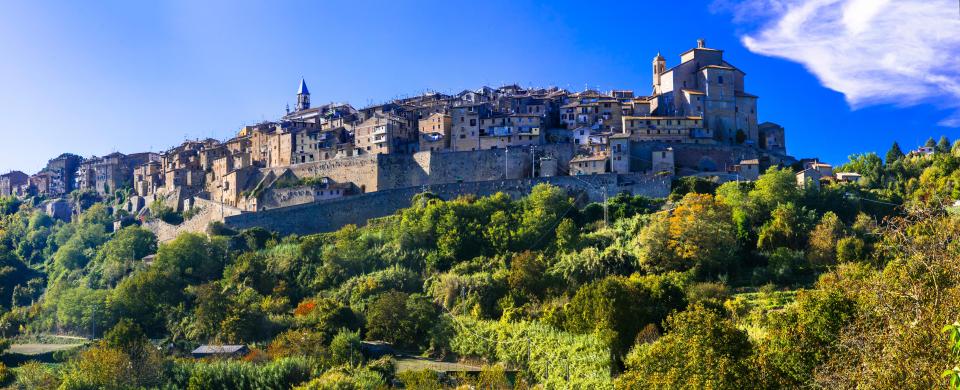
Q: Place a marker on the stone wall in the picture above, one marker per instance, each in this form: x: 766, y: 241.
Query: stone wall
x: 692, y: 158
x: 331, y: 215
x: 377, y: 172
x: 360, y: 170
x: 209, y: 212
x: 274, y: 198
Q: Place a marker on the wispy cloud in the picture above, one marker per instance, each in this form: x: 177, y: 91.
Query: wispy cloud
x: 902, y: 52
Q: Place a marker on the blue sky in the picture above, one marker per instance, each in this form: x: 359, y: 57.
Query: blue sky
x: 96, y: 77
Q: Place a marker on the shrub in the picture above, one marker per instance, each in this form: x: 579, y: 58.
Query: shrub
x: 345, y: 348
x: 420, y: 380
x: 35, y: 375
x: 5, y: 374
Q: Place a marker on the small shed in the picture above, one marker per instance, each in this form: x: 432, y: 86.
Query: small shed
x: 204, y: 351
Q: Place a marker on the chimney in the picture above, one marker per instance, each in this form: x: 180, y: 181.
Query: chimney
x: 701, y: 43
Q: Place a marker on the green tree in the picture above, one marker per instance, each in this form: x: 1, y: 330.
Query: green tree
x: 100, y: 368
x: 402, y: 319
x: 701, y: 350
x: 568, y: 236
x: 541, y: 212
x: 803, y: 336
x: 194, y: 257
x: 143, y: 297
x: 787, y: 227
x: 776, y: 186
x: 822, y: 245
x: 117, y: 257
x: 868, y: 165
x: 930, y: 143
x: 943, y: 146
x: 345, y: 348
x: 326, y: 316
x: 620, y: 307
x: 527, y: 273
x: 851, y: 249
x: 699, y: 234
x: 894, y: 154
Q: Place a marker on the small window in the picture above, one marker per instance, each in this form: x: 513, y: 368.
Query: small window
x: 720, y: 79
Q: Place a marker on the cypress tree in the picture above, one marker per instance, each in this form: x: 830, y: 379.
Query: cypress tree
x: 894, y: 154
x: 944, y: 145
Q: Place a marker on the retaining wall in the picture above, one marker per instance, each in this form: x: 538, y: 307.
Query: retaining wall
x: 330, y: 215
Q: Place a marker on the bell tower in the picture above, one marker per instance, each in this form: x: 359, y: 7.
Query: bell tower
x: 659, y: 66
x: 303, y: 96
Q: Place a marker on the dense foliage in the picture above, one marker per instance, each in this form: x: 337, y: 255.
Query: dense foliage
x: 728, y: 286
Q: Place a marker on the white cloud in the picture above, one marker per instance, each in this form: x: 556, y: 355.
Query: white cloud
x: 902, y: 52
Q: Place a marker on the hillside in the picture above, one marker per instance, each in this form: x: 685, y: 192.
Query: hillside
x: 759, y: 284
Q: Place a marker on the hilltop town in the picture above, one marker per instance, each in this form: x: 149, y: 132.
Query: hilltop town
x: 697, y: 120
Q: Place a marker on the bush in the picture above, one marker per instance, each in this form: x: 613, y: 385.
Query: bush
x: 851, y: 249
x: 536, y: 350
x: 230, y: 374
x: 346, y: 378
x: 787, y: 266
x: 34, y: 375
x: 5, y: 375
x: 345, y: 348
x: 298, y: 342
x: 420, y: 380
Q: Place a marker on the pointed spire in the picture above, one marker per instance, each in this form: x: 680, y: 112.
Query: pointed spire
x: 303, y: 88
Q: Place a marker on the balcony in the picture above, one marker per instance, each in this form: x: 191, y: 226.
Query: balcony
x: 379, y: 140
x: 379, y: 130
x: 528, y: 130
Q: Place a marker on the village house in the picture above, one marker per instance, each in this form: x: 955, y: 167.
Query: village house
x: 589, y: 164
x: 747, y: 169
x: 435, y: 132
x: 383, y: 134
x: 698, y: 118
x: 13, y: 183
x: 111, y: 172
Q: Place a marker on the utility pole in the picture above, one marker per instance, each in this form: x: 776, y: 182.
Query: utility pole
x: 605, y: 214
x: 506, y: 162
x: 528, y: 352
x: 533, y: 161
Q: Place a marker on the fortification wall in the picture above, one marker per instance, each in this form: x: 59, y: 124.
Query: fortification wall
x: 402, y: 170
x: 331, y: 215
x: 691, y: 158
x: 360, y: 170
x: 274, y: 198
x: 209, y: 212
x: 391, y: 171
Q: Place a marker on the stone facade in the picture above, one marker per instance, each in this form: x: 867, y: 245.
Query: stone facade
x: 12, y: 183
x: 331, y: 215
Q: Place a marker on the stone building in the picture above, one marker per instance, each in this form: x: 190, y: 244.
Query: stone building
x: 465, y: 125
x: 772, y: 137
x: 666, y: 129
x: 315, y: 144
x: 747, y: 169
x: 662, y: 161
x: 435, y: 132
x: 704, y: 85
x: 111, y: 172
x: 697, y: 119
x: 63, y: 174
x: 384, y: 134
x: 13, y: 183
x: 620, y: 153
x: 589, y: 164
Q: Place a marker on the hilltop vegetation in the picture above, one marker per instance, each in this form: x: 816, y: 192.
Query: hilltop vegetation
x: 741, y: 285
